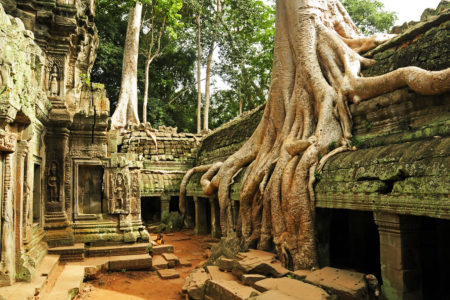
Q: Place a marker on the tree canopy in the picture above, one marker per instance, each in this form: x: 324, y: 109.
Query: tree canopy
x: 241, y: 67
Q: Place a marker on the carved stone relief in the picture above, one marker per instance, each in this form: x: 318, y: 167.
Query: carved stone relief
x: 53, y: 183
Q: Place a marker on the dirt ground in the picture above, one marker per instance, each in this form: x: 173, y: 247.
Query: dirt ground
x: 139, y: 285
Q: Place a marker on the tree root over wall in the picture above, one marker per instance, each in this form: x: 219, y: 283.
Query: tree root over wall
x: 316, y: 72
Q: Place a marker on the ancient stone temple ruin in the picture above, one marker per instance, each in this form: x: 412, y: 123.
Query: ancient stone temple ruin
x: 68, y: 184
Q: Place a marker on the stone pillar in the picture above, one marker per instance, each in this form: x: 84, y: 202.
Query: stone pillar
x: 165, y: 204
x: 58, y: 179
x: 399, y: 256
x: 215, y: 217
x: 200, y: 216
x: 22, y: 272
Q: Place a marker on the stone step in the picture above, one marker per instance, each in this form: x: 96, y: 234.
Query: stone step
x: 130, y: 262
x: 69, y: 253
x: 160, y: 249
x: 168, y: 274
x: 172, y: 259
x: 185, y: 263
x: 68, y: 283
x: 118, y: 250
x: 159, y: 263
x: 45, y: 271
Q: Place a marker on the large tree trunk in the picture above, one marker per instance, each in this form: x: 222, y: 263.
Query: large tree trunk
x: 127, y: 106
x: 315, y: 74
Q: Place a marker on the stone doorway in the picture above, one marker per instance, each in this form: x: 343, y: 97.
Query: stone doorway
x: 89, y: 190
x: 151, y: 209
x: 353, y: 240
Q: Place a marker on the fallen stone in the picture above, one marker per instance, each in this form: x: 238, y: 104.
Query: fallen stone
x: 217, y: 274
x: 225, y: 264
x: 160, y: 249
x: 185, y: 263
x: 168, y: 274
x: 293, y: 288
x: 159, y: 263
x: 345, y: 284
x: 228, y: 290
x: 194, y: 284
x: 258, y: 262
x: 172, y: 259
x: 93, y: 272
x: 300, y: 274
x: 250, y: 279
x: 272, y: 295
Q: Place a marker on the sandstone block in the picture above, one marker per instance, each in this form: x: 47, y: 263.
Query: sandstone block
x: 194, y: 285
x: 273, y: 295
x: 217, y: 274
x: 225, y: 264
x: 250, y: 279
x: 168, y: 274
x: 293, y: 288
x: 228, y: 290
x: 159, y: 263
x: 345, y: 284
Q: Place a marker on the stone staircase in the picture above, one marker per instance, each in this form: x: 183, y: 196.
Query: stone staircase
x: 61, y: 272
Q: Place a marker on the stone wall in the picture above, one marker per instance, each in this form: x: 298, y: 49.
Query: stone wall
x: 24, y: 110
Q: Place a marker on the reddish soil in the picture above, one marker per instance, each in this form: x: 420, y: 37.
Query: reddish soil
x: 138, y: 285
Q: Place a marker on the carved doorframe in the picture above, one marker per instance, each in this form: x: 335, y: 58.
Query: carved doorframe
x: 76, y: 163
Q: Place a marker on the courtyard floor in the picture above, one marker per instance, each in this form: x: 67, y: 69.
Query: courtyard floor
x: 139, y: 285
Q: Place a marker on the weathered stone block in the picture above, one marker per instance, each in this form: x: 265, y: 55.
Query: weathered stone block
x: 250, y: 279
x: 292, y: 287
x: 347, y: 285
x: 228, y: 290
x: 194, y: 285
x: 168, y: 274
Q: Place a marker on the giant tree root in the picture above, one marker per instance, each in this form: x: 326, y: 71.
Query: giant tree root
x: 316, y: 72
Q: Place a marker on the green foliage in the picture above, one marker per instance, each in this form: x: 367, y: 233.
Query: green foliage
x: 170, y: 72
x: 370, y: 16
x: 243, y: 58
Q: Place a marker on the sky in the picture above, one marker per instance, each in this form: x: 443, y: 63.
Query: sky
x: 408, y: 10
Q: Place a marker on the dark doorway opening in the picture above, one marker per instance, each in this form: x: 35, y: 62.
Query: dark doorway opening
x: 151, y: 209
x: 354, y: 242
x: 190, y: 212
x: 434, y: 257
x: 174, y: 204
x: 208, y: 215
x: 37, y: 183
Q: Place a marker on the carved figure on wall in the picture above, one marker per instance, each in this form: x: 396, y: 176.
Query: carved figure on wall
x: 53, y: 79
x: 119, y: 192
x: 5, y: 73
x: 53, y: 183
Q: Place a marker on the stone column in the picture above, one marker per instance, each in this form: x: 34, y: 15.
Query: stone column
x: 399, y: 256
x: 22, y: 150
x: 165, y: 204
x: 200, y: 216
x: 58, y: 179
x: 215, y: 217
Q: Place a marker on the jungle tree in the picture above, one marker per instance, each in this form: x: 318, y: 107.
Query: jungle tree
x: 316, y: 73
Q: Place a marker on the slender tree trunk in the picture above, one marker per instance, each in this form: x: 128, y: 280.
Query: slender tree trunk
x: 127, y: 106
x: 199, y: 73
x: 208, y: 87
x: 315, y: 74
x: 144, y: 105
x: 208, y: 69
